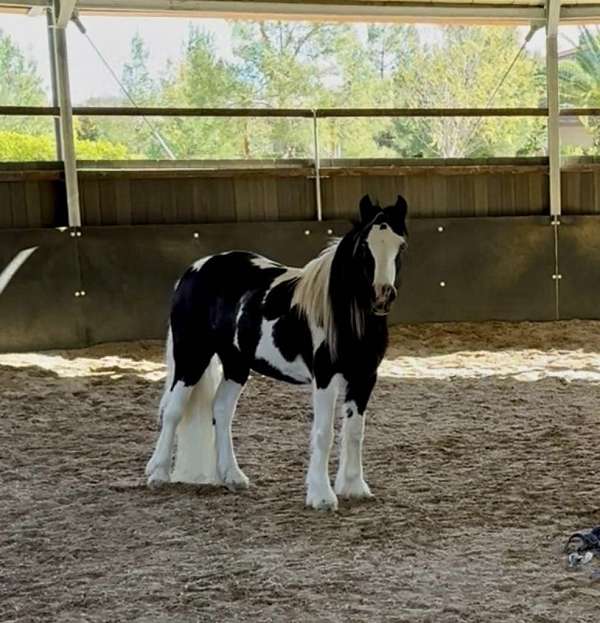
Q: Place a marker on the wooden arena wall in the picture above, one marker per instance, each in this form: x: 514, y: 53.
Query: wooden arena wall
x: 506, y: 261
x: 146, y: 195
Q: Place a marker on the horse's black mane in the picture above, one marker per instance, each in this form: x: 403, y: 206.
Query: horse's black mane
x: 349, y: 290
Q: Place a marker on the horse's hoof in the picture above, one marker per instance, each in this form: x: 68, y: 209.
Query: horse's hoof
x: 355, y: 488
x: 326, y: 502
x: 158, y: 478
x: 236, y: 480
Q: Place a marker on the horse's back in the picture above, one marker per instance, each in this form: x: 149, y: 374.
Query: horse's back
x: 239, y: 304
x: 209, y: 293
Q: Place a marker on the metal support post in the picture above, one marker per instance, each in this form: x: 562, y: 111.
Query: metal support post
x: 67, y: 135
x: 53, y: 82
x: 317, y: 167
x: 552, y: 23
x: 553, y: 15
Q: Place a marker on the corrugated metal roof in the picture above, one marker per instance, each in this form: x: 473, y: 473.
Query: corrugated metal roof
x: 451, y: 11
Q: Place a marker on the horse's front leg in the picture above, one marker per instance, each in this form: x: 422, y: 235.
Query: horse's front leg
x: 320, y: 495
x: 350, y: 482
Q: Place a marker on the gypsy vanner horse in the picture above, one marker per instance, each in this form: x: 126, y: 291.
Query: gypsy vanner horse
x: 323, y: 324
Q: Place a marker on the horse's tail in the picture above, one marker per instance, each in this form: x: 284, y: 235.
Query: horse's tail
x: 170, y: 363
x: 196, y: 453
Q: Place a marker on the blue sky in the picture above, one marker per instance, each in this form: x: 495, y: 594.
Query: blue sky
x: 89, y: 78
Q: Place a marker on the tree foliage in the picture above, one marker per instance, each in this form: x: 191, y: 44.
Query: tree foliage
x: 306, y: 65
x: 580, y: 82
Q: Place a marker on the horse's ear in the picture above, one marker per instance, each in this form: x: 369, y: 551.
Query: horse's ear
x: 368, y: 211
x: 396, y: 215
x: 401, y: 207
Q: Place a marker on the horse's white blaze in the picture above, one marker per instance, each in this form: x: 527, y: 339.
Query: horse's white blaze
x: 384, y: 245
x: 268, y: 352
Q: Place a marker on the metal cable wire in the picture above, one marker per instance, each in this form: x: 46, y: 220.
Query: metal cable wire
x: 532, y: 30
x: 123, y: 88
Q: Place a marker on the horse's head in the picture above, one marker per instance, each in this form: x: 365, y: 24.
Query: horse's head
x: 381, y: 239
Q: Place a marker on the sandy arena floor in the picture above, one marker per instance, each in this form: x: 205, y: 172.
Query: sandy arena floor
x: 483, y: 451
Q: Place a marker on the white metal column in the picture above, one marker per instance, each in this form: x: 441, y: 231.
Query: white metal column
x: 553, y: 15
x: 317, y: 160
x: 67, y: 135
x: 552, y: 23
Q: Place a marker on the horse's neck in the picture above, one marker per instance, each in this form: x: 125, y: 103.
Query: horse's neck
x: 372, y: 343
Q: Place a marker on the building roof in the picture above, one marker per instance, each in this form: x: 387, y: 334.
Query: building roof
x: 448, y: 11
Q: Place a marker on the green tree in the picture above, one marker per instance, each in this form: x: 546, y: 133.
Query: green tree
x: 30, y: 138
x: 202, y: 80
x: 20, y: 82
x: 144, y: 90
x: 136, y: 76
x: 282, y: 65
x: 364, y: 69
x: 20, y: 85
x: 580, y: 82
x: 19, y: 146
x: 462, y: 70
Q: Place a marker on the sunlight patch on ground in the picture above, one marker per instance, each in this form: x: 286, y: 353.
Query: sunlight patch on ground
x: 523, y: 351
x: 521, y: 365
x: 73, y: 367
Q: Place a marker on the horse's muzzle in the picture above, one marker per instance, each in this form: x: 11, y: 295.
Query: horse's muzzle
x: 384, y: 297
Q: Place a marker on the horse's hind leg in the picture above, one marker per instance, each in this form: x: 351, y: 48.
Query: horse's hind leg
x: 172, y: 407
x: 186, y: 365
x: 235, y: 375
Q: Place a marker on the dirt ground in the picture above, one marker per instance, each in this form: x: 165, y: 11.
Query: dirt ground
x: 482, y: 449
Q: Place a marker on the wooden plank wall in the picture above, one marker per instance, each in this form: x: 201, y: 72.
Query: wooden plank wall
x: 26, y: 203
x: 132, y: 197
x: 441, y: 194
x: 580, y: 190
x: 195, y: 197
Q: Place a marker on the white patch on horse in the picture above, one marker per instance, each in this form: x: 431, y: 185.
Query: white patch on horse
x: 350, y: 482
x: 224, y: 409
x: 288, y: 275
x: 263, y: 262
x: 384, y: 245
x: 268, y: 352
x: 198, y: 264
x: 318, y: 336
x: 236, y: 342
x: 320, y: 495
x: 311, y: 295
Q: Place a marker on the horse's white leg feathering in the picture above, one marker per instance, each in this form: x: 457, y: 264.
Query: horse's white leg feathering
x: 196, y: 453
x: 350, y: 482
x: 174, y: 406
x: 186, y: 415
x: 224, y: 409
x: 320, y: 495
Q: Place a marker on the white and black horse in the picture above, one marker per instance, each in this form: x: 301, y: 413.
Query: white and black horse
x: 323, y: 324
